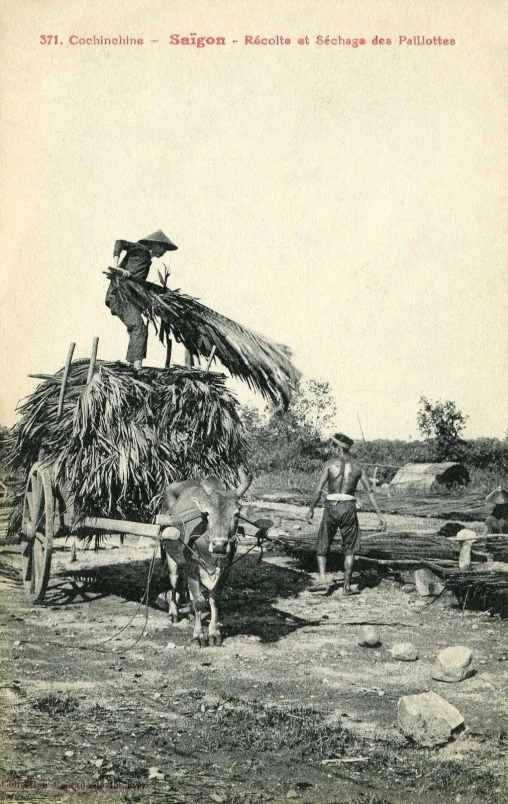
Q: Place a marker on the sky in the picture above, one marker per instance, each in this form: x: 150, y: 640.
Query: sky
x: 348, y: 202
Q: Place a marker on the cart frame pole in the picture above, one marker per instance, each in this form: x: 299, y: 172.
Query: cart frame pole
x: 64, y: 379
x: 93, y: 358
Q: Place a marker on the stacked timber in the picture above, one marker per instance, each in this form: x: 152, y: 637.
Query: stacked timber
x: 398, y: 549
x: 464, y: 507
x: 481, y: 588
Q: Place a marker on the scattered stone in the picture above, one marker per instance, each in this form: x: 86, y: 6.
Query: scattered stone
x: 428, y: 583
x: 69, y: 754
x: 218, y: 798
x: 154, y: 773
x: 453, y: 664
x: 404, y: 652
x: 292, y: 794
x: 277, y: 533
x: 427, y: 718
x: 369, y: 637
x: 171, y: 646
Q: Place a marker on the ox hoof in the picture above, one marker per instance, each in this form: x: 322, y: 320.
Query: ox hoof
x: 174, y: 619
x: 199, y: 642
x: 162, y: 602
x: 215, y: 640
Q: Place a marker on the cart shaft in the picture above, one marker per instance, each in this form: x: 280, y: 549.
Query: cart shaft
x: 120, y: 526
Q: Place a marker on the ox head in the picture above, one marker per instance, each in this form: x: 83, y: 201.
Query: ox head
x: 222, y: 511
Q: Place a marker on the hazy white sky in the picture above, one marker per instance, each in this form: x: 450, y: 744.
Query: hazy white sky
x: 350, y: 203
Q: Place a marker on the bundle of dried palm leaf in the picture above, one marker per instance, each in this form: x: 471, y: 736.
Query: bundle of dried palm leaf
x: 264, y: 366
x: 123, y: 436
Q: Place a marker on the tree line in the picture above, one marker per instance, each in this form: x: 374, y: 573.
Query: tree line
x: 297, y: 438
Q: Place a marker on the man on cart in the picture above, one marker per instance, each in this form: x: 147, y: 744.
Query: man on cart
x: 133, y: 261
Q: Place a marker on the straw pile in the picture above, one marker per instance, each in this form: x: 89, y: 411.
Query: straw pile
x: 266, y: 367
x: 125, y: 435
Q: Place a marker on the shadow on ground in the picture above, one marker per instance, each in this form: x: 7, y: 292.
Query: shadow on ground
x: 249, y: 599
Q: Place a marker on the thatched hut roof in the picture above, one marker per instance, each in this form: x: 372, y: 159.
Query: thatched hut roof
x: 429, y: 476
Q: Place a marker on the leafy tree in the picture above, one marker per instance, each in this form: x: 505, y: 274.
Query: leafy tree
x: 292, y: 438
x: 313, y: 405
x: 442, y: 423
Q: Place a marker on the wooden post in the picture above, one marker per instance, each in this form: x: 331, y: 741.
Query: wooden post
x: 93, y: 358
x: 64, y: 379
x: 169, y: 347
x: 211, y: 357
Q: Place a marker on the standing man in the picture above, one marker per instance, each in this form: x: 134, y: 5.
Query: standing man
x: 341, y: 474
x: 497, y: 522
x: 133, y: 261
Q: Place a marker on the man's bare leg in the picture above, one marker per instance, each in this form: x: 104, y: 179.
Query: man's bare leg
x: 321, y: 562
x: 349, y: 561
x: 137, y: 364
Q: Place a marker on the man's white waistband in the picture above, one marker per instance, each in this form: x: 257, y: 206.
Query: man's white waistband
x: 337, y: 497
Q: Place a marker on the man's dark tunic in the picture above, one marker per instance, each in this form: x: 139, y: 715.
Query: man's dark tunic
x: 137, y: 262
x: 497, y: 522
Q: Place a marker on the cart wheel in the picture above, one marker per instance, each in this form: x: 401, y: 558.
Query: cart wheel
x: 37, y: 534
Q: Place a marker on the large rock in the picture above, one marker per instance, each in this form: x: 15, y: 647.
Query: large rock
x: 428, y: 583
x: 404, y: 652
x: 454, y: 664
x: 427, y: 718
x: 369, y: 637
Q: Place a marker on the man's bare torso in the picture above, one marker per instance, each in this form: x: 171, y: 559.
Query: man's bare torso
x: 343, y: 475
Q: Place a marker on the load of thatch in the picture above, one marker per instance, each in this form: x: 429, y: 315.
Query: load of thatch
x: 265, y: 366
x: 126, y: 434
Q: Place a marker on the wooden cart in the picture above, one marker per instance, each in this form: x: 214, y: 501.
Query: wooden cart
x: 48, y: 512
x: 46, y: 515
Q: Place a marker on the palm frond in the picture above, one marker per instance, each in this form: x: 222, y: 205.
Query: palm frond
x: 266, y: 367
x: 123, y: 437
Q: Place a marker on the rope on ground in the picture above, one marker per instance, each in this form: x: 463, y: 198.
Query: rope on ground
x: 144, y: 599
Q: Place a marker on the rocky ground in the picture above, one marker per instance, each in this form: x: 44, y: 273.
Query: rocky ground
x: 105, y: 701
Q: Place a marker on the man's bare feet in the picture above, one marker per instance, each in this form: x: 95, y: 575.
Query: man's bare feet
x: 349, y: 592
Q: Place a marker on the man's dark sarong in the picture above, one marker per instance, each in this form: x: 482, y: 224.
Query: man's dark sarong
x: 339, y: 515
x: 123, y: 309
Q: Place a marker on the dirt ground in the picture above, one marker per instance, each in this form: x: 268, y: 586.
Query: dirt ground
x: 100, y: 707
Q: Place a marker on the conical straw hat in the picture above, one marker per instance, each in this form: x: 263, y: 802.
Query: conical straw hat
x: 159, y: 237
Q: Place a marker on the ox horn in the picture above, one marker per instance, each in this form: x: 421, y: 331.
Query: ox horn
x: 244, y: 485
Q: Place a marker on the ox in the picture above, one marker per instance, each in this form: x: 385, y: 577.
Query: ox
x: 200, y: 546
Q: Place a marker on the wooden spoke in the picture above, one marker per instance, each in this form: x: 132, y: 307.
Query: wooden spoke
x: 33, y: 502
